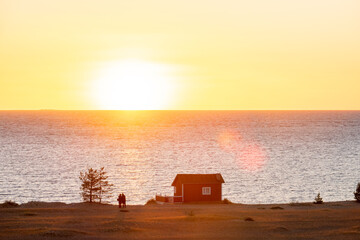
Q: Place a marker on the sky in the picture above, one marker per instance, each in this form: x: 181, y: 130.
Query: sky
x: 161, y: 54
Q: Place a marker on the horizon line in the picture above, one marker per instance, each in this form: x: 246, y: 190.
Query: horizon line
x: 180, y: 110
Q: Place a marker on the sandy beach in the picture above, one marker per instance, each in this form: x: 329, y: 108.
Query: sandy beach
x: 335, y: 220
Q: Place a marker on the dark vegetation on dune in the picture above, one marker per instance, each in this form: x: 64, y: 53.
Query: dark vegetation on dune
x: 276, y: 208
x: 9, y: 204
x: 226, y: 201
x: 150, y: 202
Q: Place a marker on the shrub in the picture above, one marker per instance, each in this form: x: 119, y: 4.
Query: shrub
x: 226, y: 201
x: 318, y: 199
x: 357, y: 193
x: 150, y: 202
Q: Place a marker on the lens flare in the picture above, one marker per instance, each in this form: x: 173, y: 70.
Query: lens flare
x: 248, y: 155
x: 230, y: 140
x: 251, y: 157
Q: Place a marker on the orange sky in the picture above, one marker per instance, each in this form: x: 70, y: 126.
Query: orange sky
x: 201, y: 54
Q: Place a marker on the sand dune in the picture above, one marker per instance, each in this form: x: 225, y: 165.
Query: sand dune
x: 337, y: 220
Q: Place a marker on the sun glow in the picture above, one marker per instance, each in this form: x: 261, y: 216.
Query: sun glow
x: 134, y: 85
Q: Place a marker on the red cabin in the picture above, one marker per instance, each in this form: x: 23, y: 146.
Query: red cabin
x: 195, y: 188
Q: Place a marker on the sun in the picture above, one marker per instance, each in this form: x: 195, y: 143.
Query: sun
x: 134, y: 85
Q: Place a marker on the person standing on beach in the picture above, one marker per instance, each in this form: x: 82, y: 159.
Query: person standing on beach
x: 124, y: 200
x: 119, y: 199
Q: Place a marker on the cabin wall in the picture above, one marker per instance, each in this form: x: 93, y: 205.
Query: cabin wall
x: 178, y: 186
x: 193, y: 192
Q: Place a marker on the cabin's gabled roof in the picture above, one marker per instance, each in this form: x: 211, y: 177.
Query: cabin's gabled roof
x: 198, y: 178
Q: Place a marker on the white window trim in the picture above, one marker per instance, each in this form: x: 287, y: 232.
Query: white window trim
x: 206, y: 190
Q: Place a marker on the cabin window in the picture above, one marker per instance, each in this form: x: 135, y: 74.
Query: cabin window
x: 174, y: 189
x: 206, y: 191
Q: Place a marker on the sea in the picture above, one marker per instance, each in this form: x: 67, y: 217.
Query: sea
x: 263, y: 156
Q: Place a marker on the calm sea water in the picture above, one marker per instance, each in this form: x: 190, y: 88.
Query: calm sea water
x: 264, y: 156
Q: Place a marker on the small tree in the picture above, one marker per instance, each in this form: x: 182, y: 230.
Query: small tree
x: 94, y: 186
x: 318, y: 199
x: 357, y: 192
